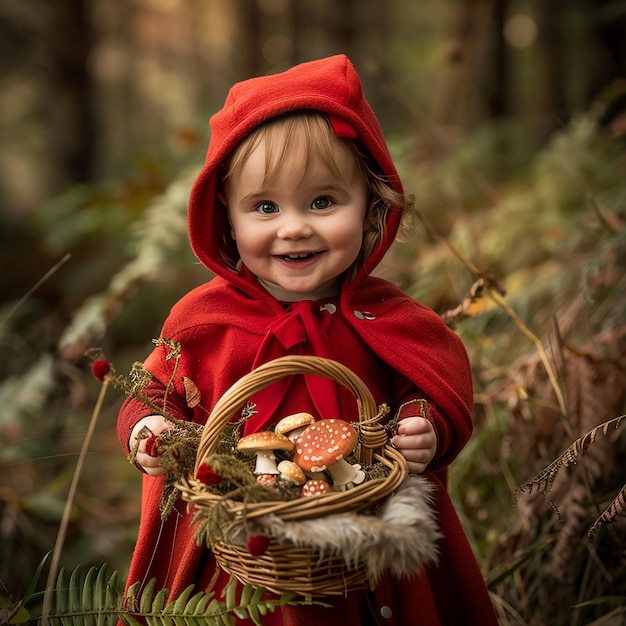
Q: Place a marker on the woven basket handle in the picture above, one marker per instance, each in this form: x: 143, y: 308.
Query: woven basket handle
x: 236, y: 397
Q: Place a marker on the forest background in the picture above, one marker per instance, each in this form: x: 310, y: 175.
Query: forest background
x: 507, y: 119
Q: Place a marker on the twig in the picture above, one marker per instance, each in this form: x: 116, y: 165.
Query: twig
x: 34, y: 288
x: 611, y: 223
x: 460, y: 312
x: 58, y: 546
x: 497, y: 298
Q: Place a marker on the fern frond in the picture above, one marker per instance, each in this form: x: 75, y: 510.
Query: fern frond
x: 544, y: 480
x: 253, y: 605
x: 616, y: 509
x: 158, y: 243
x: 85, y: 597
x: 88, y: 596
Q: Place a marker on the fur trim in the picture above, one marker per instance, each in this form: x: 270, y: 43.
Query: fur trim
x: 401, y: 538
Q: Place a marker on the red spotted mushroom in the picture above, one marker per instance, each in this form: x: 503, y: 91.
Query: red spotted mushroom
x: 324, y: 446
x: 267, y: 480
x: 263, y: 444
x: 314, y: 487
x: 293, y: 425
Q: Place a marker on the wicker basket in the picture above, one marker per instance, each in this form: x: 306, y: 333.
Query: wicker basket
x: 286, y: 567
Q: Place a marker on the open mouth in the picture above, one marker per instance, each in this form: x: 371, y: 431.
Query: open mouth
x: 298, y: 257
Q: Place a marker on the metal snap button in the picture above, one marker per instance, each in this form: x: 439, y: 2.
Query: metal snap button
x: 329, y: 308
x: 364, y: 315
x: 386, y: 612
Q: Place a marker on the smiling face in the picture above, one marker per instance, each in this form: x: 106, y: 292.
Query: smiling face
x: 298, y: 224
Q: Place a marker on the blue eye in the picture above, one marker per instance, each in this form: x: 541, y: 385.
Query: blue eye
x: 266, y: 208
x: 321, y: 203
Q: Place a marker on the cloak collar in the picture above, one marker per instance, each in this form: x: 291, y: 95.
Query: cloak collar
x: 297, y: 331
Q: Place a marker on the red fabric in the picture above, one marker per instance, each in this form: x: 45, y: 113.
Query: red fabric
x: 292, y: 334
x: 400, y: 348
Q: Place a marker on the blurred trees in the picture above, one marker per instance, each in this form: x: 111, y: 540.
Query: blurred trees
x: 88, y: 85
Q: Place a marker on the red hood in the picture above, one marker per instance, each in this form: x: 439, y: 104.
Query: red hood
x: 329, y: 85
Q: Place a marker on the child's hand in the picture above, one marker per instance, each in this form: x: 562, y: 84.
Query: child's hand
x: 156, y: 424
x: 417, y: 442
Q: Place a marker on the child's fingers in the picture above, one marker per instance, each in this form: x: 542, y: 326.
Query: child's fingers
x: 417, y: 441
x: 416, y: 460
x: 414, y: 426
x: 149, y: 463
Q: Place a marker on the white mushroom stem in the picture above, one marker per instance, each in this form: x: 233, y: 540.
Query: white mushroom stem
x: 295, y: 433
x: 345, y: 475
x: 265, y: 462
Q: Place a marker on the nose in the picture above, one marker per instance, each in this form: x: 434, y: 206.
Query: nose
x: 294, y: 225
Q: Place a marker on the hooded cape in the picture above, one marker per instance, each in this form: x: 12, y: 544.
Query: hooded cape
x: 232, y: 323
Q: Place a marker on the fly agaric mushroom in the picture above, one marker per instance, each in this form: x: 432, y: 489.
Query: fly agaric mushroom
x: 263, y: 444
x: 267, y: 480
x: 314, y: 487
x: 293, y: 425
x: 324, y: 446
x: 291, y: 472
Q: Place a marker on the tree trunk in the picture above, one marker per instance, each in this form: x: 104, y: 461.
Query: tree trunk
x: 69, y: 101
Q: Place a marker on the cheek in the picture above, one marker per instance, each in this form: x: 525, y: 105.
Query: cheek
x: 350, y: 235
x: 249, y: 241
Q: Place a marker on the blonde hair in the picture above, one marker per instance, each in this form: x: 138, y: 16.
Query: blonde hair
x: 311, y: 132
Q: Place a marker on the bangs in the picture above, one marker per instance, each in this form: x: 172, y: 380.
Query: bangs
x: 307, y: 134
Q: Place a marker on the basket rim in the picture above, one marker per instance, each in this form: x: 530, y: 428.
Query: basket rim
x: 359, y: 498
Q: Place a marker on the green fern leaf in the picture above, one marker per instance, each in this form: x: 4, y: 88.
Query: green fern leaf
x: 194, y: 602
x: 256, y: 607
x: 62, y: 597
x: 253, y: 613
x: 88, y: 591
x: 258, y: 594
x: 99, y: 592
x: 160, y: 600
x: 145, y: 601
x: 205, y: 604
x: 246, y: 593
x: 180, y: 604
x: 111, y: 594
x: 230, y: 594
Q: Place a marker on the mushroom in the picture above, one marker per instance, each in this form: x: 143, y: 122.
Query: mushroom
x: 263, y: 444
x: 291, y: 472
x: 293, y: 425
x: 324, y: 446
x: 314, y: 487
x: 267, y: 480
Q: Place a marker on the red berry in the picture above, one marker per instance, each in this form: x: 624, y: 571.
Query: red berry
x: 258, y: 544
x: 152, y: 446
x: 100, y: 368
x: 207, y: 475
